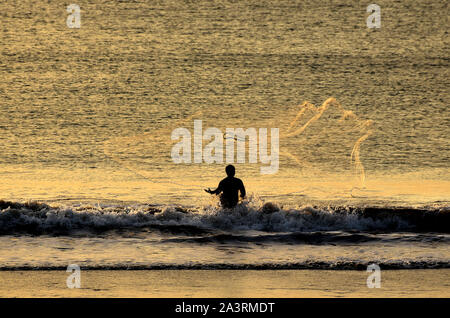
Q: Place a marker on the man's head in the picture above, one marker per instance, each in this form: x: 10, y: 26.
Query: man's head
x: 230, y: 170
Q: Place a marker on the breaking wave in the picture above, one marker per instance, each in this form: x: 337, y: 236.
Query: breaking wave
x: 41, y: 218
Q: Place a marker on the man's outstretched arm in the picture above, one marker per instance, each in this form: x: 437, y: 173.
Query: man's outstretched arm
x: 217, y: 191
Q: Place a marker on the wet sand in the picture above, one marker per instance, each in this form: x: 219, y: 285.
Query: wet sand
x: 226, y: 283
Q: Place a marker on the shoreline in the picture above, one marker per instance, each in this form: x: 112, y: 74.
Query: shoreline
x: 413, y: 283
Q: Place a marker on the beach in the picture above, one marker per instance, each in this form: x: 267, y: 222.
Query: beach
x: 226, y: 283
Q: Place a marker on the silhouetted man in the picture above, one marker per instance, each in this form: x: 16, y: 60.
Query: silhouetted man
x: 230, y: 186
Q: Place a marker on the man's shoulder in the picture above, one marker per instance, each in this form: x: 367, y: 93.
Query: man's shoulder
x: 223, y: 180
x: 232, y: 179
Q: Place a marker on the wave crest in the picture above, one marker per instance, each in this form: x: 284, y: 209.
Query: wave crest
x: 40, y: 218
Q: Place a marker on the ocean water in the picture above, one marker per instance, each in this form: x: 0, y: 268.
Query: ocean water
x: 87, y: 116
x: 142, y: 236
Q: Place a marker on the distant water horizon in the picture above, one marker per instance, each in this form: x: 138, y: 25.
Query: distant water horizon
x: 88, y: 113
